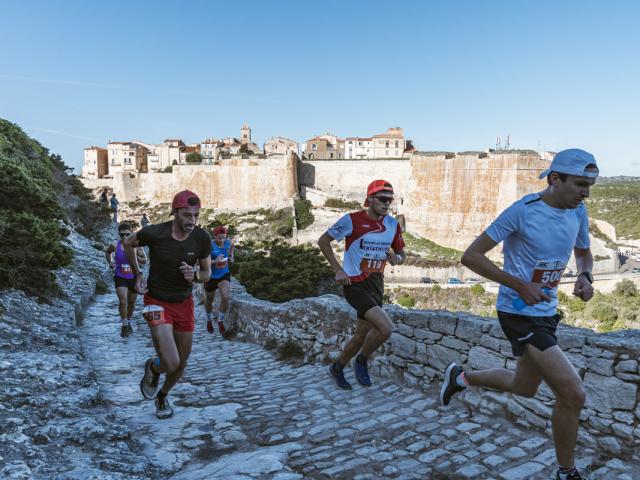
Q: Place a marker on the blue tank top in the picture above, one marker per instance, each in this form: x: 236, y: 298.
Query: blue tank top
x: 123, y: 269
x: 220, y: 269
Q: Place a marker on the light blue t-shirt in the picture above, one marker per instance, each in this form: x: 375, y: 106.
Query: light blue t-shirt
x: 220, y: 269
x: 538, y: 243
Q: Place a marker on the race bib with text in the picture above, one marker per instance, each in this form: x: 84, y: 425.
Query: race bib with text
x: 548, y: 271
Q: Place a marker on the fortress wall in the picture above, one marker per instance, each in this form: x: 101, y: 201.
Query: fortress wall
x: 424, y: 342
x: 234, y: 184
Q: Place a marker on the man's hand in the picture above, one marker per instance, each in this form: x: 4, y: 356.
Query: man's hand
x: 532, y: 293
x: 141, y: 284
x: 392, y: 258
x: 219, y: 259
x: 187, y: 272
x: 342, y: 278
x: 583, y: 289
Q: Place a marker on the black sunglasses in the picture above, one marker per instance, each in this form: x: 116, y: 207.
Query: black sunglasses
x: 384, y: 199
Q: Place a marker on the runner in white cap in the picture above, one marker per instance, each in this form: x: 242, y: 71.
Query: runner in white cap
x: 539, y: 232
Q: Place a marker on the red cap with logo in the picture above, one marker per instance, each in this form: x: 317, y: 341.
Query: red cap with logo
x: 377, y: 186
x: 219, y: 229
x: 185, y: 199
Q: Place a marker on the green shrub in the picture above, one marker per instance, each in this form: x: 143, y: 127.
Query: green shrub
x: 278, y: 272
x: 342, y: 204
x: 193, y: 158
x: 436, y: 288
x: 101, y: 288
x: 625, y: 288
x: 574, y: 305
x: 407, y: 301
x: 290, y: 350
x: 304, y: 217
x: 477, y: 289
x: 606, y: 314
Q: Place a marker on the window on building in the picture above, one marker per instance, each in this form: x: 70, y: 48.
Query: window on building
x: 386, y: 153
x: 331, y: 156
x: 314, y: 146
x: 397, y: 144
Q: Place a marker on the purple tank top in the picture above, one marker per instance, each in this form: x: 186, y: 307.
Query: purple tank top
x: 123, y: 269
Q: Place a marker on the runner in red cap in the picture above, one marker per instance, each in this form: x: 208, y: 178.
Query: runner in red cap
x: 221, y: 258
x: 372, y: 238
x: 174, y: 249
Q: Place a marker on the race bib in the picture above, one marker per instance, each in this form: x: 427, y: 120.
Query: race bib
x: 371, y: 265
x: 548, y: 271
x: 125, y: 269
x: 222, y: 263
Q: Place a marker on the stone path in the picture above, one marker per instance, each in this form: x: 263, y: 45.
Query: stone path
x: 241, y: 414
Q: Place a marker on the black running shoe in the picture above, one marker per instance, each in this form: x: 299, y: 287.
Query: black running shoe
x: 163, y: 407
x: 129, y: 330
x: 123, y: 331
x: 149, y: 383
x: 338, y: 376
x: 362, y: 372
x: 569, y: 476
x: 449, y: 386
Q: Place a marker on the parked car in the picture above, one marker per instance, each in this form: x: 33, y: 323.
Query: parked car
x: 471, y: 281
x: 454, y: 281
x: 427, y: 280
x: 635, y: 270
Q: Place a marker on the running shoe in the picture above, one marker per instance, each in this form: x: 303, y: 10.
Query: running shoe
x: 149, y: 383
x: 361, y: 371
x: 221, y: 327
x: 338, y: 376
x: 569, y: 476
x: 209, y: 326
x: 163, y: 407
x: 129, y: 330
x: 123, y: 331
x: 449, y: 386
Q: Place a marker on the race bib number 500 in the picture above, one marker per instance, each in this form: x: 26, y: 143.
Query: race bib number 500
x: 548, y: 271
x: 370, y: 265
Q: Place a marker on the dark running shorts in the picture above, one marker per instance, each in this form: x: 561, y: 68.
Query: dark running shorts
x: 365, y: 295
x: 129, y: 283
x: 212, y: 284
x: 522, y: 329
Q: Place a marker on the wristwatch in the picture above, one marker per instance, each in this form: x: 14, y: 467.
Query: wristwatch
x: 587, y: 275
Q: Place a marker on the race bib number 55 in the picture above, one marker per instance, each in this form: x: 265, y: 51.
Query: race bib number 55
x: 370, y: 265
x: 548, y: 271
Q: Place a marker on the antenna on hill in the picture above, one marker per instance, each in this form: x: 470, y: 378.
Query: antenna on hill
x: 498, y: 144
x: 507, y: 144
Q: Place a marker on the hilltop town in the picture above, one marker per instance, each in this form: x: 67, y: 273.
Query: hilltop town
x: 139, y: 157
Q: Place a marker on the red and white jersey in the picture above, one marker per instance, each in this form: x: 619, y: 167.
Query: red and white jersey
x: 366, y: 242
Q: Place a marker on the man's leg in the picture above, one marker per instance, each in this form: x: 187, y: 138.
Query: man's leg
x: 182, y: 343
x: 355, y: 343
x: 561, y: 376
x: 131, y: 305
x: 208, y: 308
x: 224, y: 288
x: 381, y: 331
x: 121, y: 293
x: 524, y: 381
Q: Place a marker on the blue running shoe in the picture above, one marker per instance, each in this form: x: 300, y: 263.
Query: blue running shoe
x: 361, y: 371
x: 338, y: 376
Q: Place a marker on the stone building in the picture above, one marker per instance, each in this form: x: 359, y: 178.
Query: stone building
x: 280, y: 146
x: 324, y: 147
x: 390, y: 144
x: 96, y: 162
x: 127, y: 157
x: 358, y: 147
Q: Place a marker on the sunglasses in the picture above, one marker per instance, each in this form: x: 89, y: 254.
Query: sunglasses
x: 383, y: 199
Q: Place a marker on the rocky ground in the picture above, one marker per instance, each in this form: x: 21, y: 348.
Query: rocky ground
x: 70, y: 408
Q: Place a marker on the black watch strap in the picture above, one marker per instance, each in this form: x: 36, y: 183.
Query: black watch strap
x: 587, y: 275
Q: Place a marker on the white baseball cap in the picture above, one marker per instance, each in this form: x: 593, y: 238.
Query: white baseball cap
x: 573, y: 162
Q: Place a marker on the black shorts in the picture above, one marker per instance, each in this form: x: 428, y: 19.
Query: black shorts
x: 522, y: 329
x: 212, y: 284
x: 129, y: 283
x: 365, y: 295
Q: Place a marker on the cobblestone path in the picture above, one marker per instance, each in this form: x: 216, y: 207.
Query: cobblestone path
x: 242, y: 414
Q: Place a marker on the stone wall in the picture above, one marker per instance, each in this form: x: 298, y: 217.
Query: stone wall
x: 236, y: 183
x: 424, y: 342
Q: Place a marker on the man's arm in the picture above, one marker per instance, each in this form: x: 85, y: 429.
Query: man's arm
x: 584, y: 262
x: 204, y: 274
x: 108, y: 254
x: 324, y: 242
x: 475, y: 259
x: 130, y: 244
x: 396, y: 258
x: 142, y: 256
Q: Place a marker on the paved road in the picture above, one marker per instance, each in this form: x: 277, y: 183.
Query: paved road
x: 241, y: 414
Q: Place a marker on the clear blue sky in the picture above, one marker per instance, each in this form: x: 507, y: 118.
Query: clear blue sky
x: 454, y: 75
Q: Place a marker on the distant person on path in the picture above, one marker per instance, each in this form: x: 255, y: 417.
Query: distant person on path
x: 103, y: 198
x: 221, y: 257
x: 539, y: 232
x: 114, y: 207
x: 175, y: 247
x: 372, y: 238
x: 144, y: 221
x: 124, y: 278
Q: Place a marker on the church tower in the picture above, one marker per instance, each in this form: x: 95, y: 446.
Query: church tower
x: 245, y: 134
